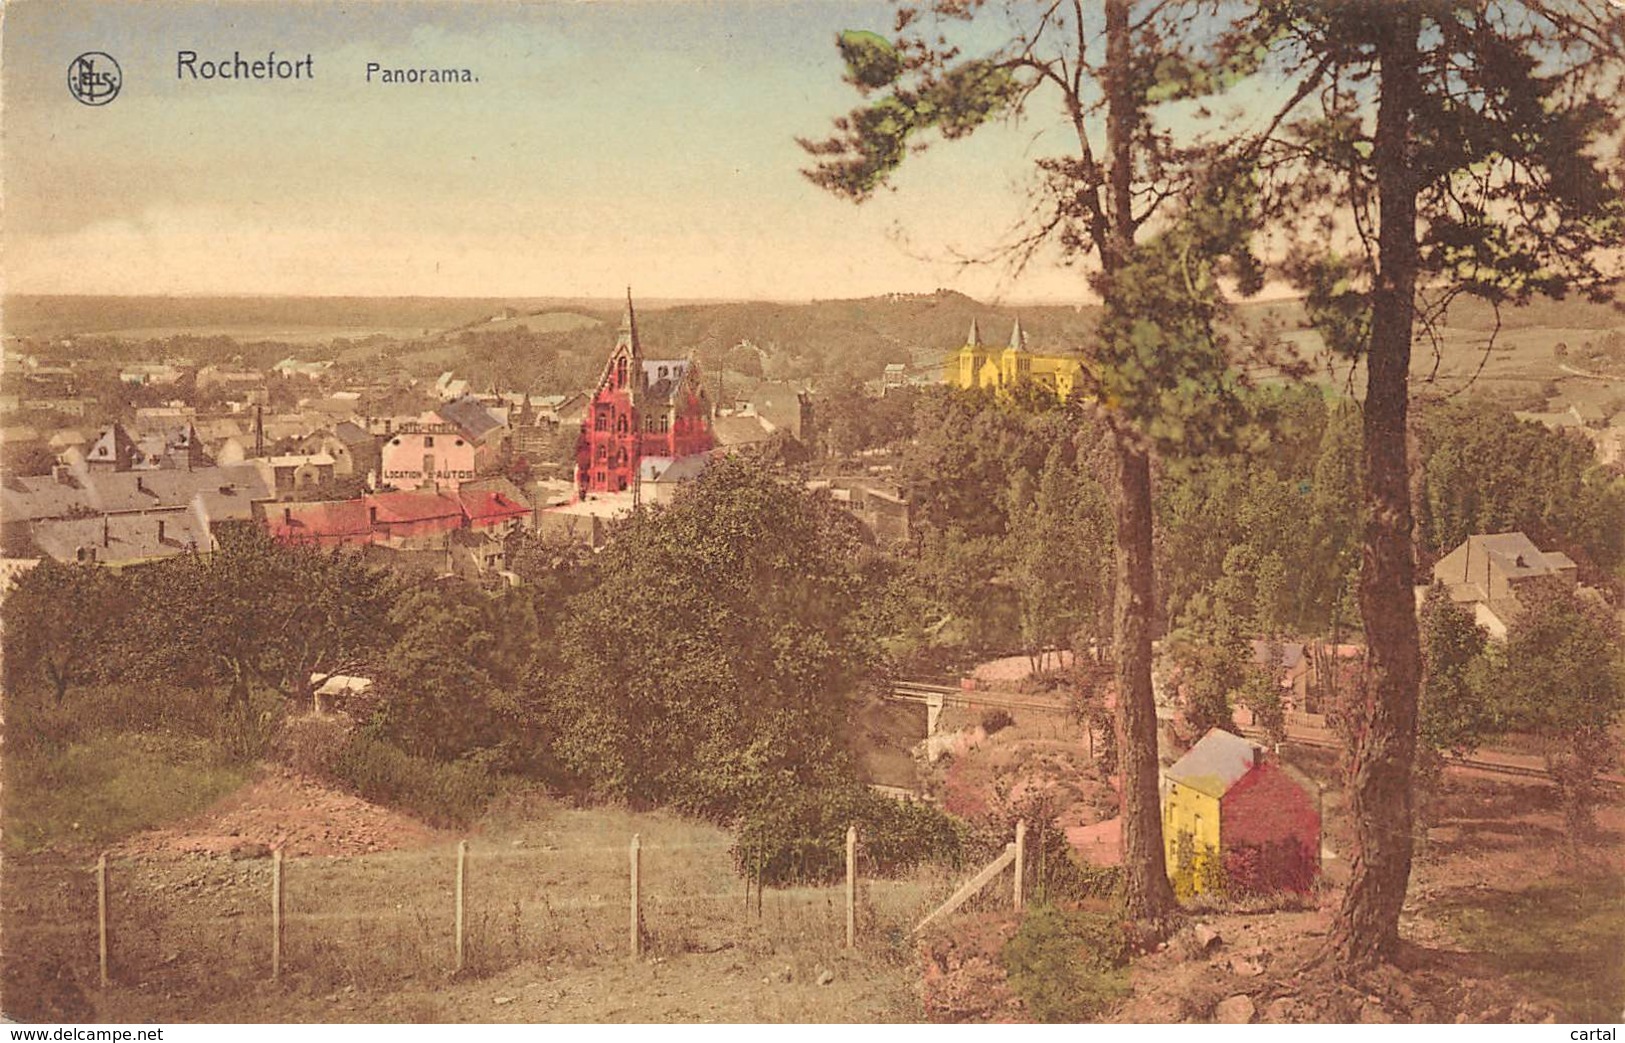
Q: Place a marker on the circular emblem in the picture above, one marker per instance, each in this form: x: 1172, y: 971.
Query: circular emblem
x: 94, y: 78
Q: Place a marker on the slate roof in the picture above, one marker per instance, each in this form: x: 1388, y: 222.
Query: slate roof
x: 682, y: 469
x: 659, y: 387
x: 113, y: 445
x: 1215, y: 764
x: 28, y: 498
x: 228, y: 493
x: 740, y: 430
x: 352, y: 434
x: 122, y: 539
x: 1518, y: 556
x: 470, y: 415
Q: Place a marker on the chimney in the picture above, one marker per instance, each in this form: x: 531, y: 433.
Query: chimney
x: 287, y: 517
x: 1258, y: 756
x: 372, y: 516
x: 107, y: 532
x: 160, y: 530
x: 140, y: 486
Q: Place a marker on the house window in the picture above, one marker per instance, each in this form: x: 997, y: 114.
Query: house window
x: 428, y: 441
x: 600, y: 423
x: 665, y: 424
x: 620, y: 372
x: 662, y: 371
x: 620, y: 425
x: 602, y: 452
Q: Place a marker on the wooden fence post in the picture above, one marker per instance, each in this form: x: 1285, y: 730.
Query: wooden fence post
x: 101, y: 917
x: 636, y: 929
x: 1021, y: 858
x: 851, y: 886
x: 276, y: 914
x: 462, y: 872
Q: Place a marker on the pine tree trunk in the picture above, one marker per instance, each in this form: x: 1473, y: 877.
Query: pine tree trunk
x: 1149, y: 894
x: 1367, y: 925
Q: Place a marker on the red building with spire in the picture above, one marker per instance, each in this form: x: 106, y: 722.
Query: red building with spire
x: 643, y: 408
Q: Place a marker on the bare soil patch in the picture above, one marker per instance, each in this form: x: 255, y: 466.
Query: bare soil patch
x: 290, y: 811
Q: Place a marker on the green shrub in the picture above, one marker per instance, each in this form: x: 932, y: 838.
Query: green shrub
x: 245, y: 732
x: 799, y: 835
x: 450, y: 795
x: 1068, y: 965
x: 312, y: 745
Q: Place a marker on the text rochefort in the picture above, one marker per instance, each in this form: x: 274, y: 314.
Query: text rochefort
x: 189, y: 65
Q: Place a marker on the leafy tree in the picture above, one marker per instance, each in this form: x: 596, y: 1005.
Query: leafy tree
x: 1452, y: 153
x: 1261, y: 694
x: 259, y: 612
x: 713, y: 660
x: 1485, y: 471
x: 552, y: 569
x: 437, y: 695
x: 65, y: 625
x: 1453, y: 716
x: 1059, y: 550
x: 1209, y: 674
x: 1564, y: 679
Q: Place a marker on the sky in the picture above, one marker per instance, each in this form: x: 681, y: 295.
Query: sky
x: 604, y: 145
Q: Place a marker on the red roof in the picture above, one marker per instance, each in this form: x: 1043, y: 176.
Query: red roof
x: 488, y: 507
x: 326, y: 522
x: 401, y: 507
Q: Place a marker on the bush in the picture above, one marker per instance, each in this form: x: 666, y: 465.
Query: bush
x: 1197, y: 870
x: 449, y: 795
x: 312, y: 745
x: 1068, y: 965
x: 245, y: 732
x: 800, y: 836
x: 995, y: 721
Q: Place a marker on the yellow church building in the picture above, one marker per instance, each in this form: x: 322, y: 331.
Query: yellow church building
x: 977, y: 366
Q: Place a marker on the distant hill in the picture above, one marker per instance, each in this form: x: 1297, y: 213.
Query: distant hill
x: 559, y: 344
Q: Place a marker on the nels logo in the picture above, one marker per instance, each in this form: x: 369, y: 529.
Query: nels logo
x: 94, y: 78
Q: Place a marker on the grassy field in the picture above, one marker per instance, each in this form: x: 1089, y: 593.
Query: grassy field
x: 97, y: 791
x: 1564, y: 940
x: 547, y: 900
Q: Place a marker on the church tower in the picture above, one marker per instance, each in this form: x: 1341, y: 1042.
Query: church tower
x: 966, y: 367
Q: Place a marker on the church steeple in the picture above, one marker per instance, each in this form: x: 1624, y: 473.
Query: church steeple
x: 1018, y: 339
x: 628, y: 334
x: 975, y: 340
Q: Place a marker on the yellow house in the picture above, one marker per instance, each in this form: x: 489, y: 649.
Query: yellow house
x: 1232, y: 819
x: 977, y: 366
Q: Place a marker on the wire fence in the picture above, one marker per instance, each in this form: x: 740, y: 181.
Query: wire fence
x: 209, y: 926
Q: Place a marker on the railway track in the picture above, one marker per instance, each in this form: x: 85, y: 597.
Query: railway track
x: 930, y: 693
